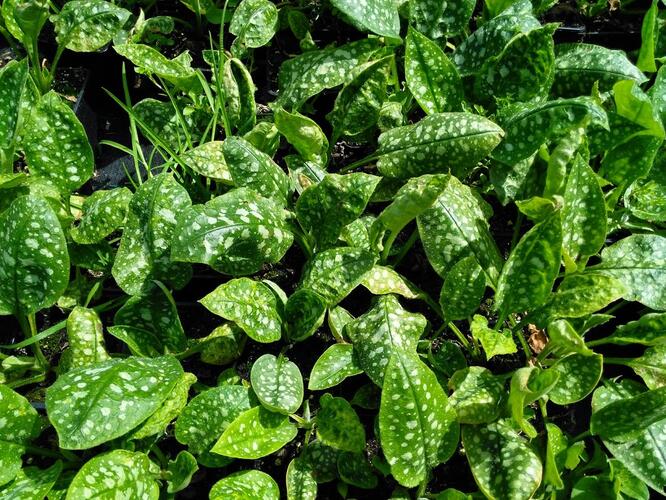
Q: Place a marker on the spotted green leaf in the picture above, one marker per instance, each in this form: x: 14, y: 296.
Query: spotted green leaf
x: 13, y: 77
x: 502, y: 462
x: 88, y: 25
x: 208, y: 160
x: 301, y: 485
x: 143, y: 255
x: 564, y: 339
x: 322, y: 460
x: 334, y: 273
x: 239, y: 94
x: 651, y: 366
x: 94, y: 404
x: 529, y: 273
x: 647, y: 330
x: 643, y: 455
x: 455, y: 227
x: 635, y: 105
x: 20, y: 424
x: 446, y: 357
x: 278, y: 383
x: 463, y: 289
x: 477, y: 395
x: 646, y: 197
x: 579, y: 374
x: 181, y: 471
x: 336, y: 364
x: 236, y: 233
x: 308, y: 74
x: 437, y: 18
x: 254, y: 169
x: 56, y: 146
x: 103, y: 213
x: 86, y: 340
x: 527, y: 385
x: 32, y: 483
x: 338, y: 318
x: 224, y: 344
x: 431, y: 77
x: 415, y: 419
x: 304, y: 313
x: 255, y: 433
x: 254, y: 23
x: 303, y: 134
x: 150, y: 325
x: 639, y: 263
x: 578, y: 66
x: 354, y: 469
x: 630, y: 159
x: 208, y: 414
x: 358, y: 105
x: 246, y: 485
x: 34, y: 263
x: 529, y: 126
x: 150, y: 61
x: 378, y: 16
x: 114, y: 474
x: 338, y: 424
x: 438, y: 143
x: 385, y: 328
x: 161, y: 119
x: 324, y: 209
x: 494, y: 342
x: 382, y: 280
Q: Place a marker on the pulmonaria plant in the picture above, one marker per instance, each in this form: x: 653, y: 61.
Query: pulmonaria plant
x: 477, y: 308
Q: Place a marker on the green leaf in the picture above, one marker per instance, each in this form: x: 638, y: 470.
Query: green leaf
x: 161, y: 119
x: 88, y: 25
x: 378, y: 16
x: 494, y: 342
x: 114, y: 474
x: 564, y: 339
x: 254, y: 169
x: 255, y: 433
x: 254, y: 23
x: 529, y: 126
x: 208, y: 414
x: 92, y: 405
x: 579, y: 65
x: 635, y: 105
x: 380, y: 332
x: 446, y: 357
x: 300, y: 482
x: 463, y: 289
x: 438, y: 143
x: 278, y: 383
x: 630, y: 160
x: 224, y: 344
x: 584, y: 212
x: 323, y: 461
x: 325, y: 208
x: 239, y: 92
x: 639, y: 263
x: 651, y: 366
x: 416, y: 422
x: 13, y: 78
x: 150, y: 325
x: 354, y: 469
x: 308, y: 74
x: 34, y: 263
x: 455, y: 227
x: 85, y: 336
x: 643, y: 456
x: 477, y: 395
x: 381, y: 280
x: 338, y: 424
x: 647, y: 330
x: 32, y: 483
x: 646, y: 197
x: 626, y: 419
x: 527, y: 385
x: 304, y: 313
x: 437, y: 18
x: 56, y: 146
x: 236, y: 233
x: 181, y: 471
x: 20, y: 424
x: 529, y: 273
x: 502, y: 462
x: 334, y: 273
x: 103, y: 213
x: 431, y: 77
x: 208, y: 160
x: 303, y: 134
x: 143, y: 255
x: 246, y: 484
x: 336, y: 364
x: 579, y: 375
x: 149, y: 61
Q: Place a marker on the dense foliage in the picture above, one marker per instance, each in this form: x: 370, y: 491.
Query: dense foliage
x: 437, y: 250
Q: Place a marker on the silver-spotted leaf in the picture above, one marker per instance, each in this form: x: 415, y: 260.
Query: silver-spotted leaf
x: 34, y: 262
x: 647, y: 330
x: 463, y: 289
x: 278, y: 383
x: 150, y: 61
x: 378, y: 16
x: 255, y: 433
x: 579, y: 374
x: 382, y: 280
x: 94, y: 404
x: 236, y: 233
x: 502, y: 462
x: 646, y: 197
x: 380, y: 332
x: 581, y: 294
x: 494, y: 342
x: 304, y: 312
x: 85, y: 336
x: 438, y: 18
x: 354, y: 469
x: 651, y: 366
x: 88, y: 25
x: 303, y: 134
x: 254, y: 23
x: 246, y: 485
x: 32, y: 483
x: 181, y: 470
x: 103, y: 213
x: 56, y: 146
x: 144, y: 252
x: 322, y: 460
x: 13, y: 77
x: 337, y: 363
x: 301, y: 484
x: 249, y: 303
x: 338, y: 424
x: 477, y: 395
x: 208, y: 160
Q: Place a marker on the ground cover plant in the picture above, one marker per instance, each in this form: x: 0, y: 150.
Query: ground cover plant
x: 378, y: 249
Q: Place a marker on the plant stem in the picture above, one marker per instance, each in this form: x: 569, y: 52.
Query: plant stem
x: 617, y: 361
x: 27, y: 381
x: 41, y: 359
x: 461, y: 337
x: 36, y: 450
x: 406, y: 247
x: 387, y: 246
x: 516, y: 230
x: 359, y: 163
